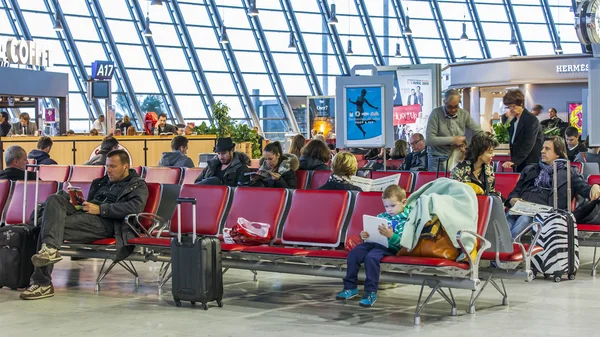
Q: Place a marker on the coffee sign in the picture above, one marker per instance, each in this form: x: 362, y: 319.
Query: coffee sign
x: 31, y: 53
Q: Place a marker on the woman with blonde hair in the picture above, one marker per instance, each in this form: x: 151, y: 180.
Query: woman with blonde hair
x: 131, y: 131
x: 298, y: 143
x: 343, y: 167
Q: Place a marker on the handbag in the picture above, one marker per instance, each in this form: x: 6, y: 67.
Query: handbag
x: 433, y: 242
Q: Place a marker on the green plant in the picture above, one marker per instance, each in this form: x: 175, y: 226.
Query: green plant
x: 552, y: 132
x: 152, y: 103
x: 204, y: 129
x: 223, y: 122
x: 501, y: 132
x: 243, y: 133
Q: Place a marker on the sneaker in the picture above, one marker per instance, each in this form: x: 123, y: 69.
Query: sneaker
x: 46, y: 256
x: 36, y: 292
x: 347, y: 294
x: 368, y: 300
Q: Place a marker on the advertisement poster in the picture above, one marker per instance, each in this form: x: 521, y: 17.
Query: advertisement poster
x: 50, y: 115
x: 364, y: 120
x: 321, y: 116
x: 575, y: 115
x: 413, y: 101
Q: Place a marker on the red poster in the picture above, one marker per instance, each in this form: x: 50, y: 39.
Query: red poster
x: 406, y: 114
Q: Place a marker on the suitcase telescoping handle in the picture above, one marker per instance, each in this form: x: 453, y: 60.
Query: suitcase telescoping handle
x: 37, y: 185
x: 179, y: 202
x: 440, y: 158
x: 555, y: 183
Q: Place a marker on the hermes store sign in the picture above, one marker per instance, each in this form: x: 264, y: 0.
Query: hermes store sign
x: 31, y: 53
x: 572, y: 68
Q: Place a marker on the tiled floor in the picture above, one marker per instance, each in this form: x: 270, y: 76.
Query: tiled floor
x: 290, y: 305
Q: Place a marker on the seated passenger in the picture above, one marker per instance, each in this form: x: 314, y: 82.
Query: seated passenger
x: 23, y: 126
x: 417, y: 159
x: 4, y: 124
x: 535, y: 184
x: 42, y: 153
x: 370, y: 253
x: 119, y: 193
x: 227, y: 168
x: 574, y: 146
x: 15, y: 159
x: 400, y: 149
x: 298, y: 143
x: 277, y: 169
x: 343, y: 167
x: 177, y: 157
x: 108, y: 144
x: 314, y: 156
x: 94, y: 132
x: 131, y: 131
x: 477, y: 168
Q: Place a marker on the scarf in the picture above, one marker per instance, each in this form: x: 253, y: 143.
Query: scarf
x: 337, y: 179
x: 543, y: 179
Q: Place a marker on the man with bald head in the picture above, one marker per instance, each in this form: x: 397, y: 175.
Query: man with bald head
x: 446, y: 129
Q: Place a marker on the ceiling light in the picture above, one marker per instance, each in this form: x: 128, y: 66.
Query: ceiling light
x: 332, y: 18
x: 407, y: 30
x: 224, y: 38
x: 57, y: 24
x: 147, y: 31
x: 398, y: 53
x: 513, y: 39
x: 252, y: 10
x: 349, y: 49
x: 464, y: 36
x: 292, y: 41
x: 156, y: 3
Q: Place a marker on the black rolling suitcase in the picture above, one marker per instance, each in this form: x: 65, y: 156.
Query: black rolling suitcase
x: 18, y: 243
x: 558, y: 237
x: 196, y: 265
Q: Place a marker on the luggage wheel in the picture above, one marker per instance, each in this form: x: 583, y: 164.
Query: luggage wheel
x: 205, y: 306
x: 557, y: 278
x: 220, y: 303
x: 193, y: 303
x: 571, y: 277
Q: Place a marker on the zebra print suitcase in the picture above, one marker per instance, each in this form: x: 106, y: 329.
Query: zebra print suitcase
x: 558, y: 237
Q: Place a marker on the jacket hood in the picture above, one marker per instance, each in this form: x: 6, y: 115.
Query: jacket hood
x: 289, y: 163
x: 172, y: 158
x: 38, y: 155
x: 309, y: 163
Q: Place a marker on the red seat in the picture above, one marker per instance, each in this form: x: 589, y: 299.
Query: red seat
x: 163, y: 175
x: 359, y: 156
x: 426, y: 177
x: 86, y: 172
x: 578, y: 166
x: 5, y: 188
x: 594, y: 179
x: 506, y: 183
x: 210, y: 209
x: 502, y: 157
x: 266, y: 205
x: 138, y: 169
x: 406, y: 178
x: 396, y: 164
x: 424, y: 261
x: 59, y: 173
x: 588, y: 228
x: 362, y: 163
x: 368, y: 203
x: 14, y: 212
x: 318, y: 179
x: 316, y: 218
x: 190, y: 175
x: 515, y: 256
x: 499, y: 167
x: 302, y: 177
x: 84, y: 185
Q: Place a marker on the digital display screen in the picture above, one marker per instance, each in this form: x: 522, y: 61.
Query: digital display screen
x: 100, y: 89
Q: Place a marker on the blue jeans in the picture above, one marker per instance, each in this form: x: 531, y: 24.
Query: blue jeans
x: 370, y: 254
x: 516, y: 223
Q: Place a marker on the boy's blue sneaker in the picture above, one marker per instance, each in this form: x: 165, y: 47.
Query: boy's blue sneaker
x: 368, y: 300
x: 347, y: 294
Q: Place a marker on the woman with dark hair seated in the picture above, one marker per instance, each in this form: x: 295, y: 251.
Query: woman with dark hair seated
x: 277, y: 169
x: 535, y: 184
x: 477, y: 166
x: 343, y: 166
x: 314, y: 156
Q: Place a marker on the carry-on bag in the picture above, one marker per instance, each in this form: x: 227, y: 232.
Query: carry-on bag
x: 196, y: 264
x: 558, y: 237
x: 18, y: 243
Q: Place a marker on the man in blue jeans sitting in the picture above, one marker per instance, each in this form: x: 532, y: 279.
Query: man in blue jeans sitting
x: 535, y: 184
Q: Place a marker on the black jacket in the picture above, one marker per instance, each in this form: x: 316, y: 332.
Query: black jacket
x: 128, y: 196
x: 175, y: 159
x: 287, y: 169
x: 4, y: 129
x: 99, y: 159
x: 332, y: 185
x: 529, y: 139
x: 234, y: 174
x: 168, y: 128
x: 573, y: 153
x: 526, y: 190
x: 15, y: 174
x: 415, y: 161
x: 41, y: 157
x: 312, y: 163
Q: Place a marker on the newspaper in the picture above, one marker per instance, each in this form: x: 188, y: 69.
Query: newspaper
x: 528, y: 208
x: 375, y: 185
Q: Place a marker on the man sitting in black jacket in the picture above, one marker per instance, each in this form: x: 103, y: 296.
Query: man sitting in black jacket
x: 535, y: 184
x: 15, y: 158
x: 228, y: 168
x: 417, y: 159
x: 574, y: 146
x: 111, y: 198
x: 42, y: 153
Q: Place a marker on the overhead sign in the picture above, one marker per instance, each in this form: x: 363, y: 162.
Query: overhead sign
x: 31, y: 53
x: 103, y: 70
x: 572, y: 68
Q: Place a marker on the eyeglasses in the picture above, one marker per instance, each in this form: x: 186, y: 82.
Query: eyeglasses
x: 452, y: 107
x: 415, y: 142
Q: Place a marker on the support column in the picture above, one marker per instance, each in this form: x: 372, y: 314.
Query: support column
x: 512, y: 20
x: 474, y: 14
x: 441, y: 27
x: 365, y: 21
x: 334, y: 38
x: 550, y: 24
x: 409, y: 43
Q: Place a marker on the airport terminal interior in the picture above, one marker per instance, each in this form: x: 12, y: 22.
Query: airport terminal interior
x: 453, y: 143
